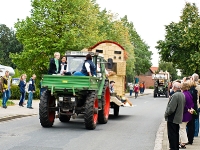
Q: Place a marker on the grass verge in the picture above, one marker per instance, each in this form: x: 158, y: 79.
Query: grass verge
x: 9, y: 103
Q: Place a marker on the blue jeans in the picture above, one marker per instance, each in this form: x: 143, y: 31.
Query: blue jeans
x: 22, y: 99
x: 78, y: 73
x: 30, y: 98
x: 196, y: 130
x: 6, y: 96
x: 131, y: 91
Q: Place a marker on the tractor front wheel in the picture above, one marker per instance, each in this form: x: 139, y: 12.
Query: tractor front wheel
x: 47, y: 115
x: 91, y: 111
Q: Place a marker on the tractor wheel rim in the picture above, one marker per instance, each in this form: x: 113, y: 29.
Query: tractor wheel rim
x: 51, y: 113
x: 107, y: 103
x: 51, y: 116
x: 95, y: 115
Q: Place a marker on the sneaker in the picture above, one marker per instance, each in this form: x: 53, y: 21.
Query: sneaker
x: 5, y: 107
x: 30, y: 107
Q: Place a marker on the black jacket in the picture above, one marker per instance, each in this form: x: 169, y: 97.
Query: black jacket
x: 52, y: 67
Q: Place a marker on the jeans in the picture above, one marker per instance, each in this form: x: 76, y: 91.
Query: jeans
x: 6, y: 96
x: 22, y: 99
x: 196, y: 124
x: 30, y: 98
x: 131, y: 91
x: 78, y: 73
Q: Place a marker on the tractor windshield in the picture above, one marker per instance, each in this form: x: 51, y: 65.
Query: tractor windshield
x: 74, y: 63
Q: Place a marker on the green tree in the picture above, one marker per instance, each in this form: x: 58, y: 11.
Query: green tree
x: 8, y: 43
x: 58, y: 25
x: 168, y: 66
x: 181, y: 44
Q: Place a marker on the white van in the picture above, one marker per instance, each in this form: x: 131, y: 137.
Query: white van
x: 3, y: 69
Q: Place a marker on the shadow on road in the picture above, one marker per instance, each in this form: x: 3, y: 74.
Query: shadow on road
x: 120, y: 117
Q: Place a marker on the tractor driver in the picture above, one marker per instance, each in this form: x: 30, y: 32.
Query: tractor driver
x: 88, y: 68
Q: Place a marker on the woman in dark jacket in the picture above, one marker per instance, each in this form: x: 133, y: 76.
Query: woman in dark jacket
x: 22, y: 85
x: 54, y: 65
x: 63, y: 66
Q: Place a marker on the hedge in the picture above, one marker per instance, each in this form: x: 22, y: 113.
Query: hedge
x: 15, y: 93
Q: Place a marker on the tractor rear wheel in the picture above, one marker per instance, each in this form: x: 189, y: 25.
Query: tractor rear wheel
x: 91, y: 111
x: 47, y: 115
x: 103, y: 114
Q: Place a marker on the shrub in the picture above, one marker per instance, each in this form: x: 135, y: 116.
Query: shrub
x: 151, y: 87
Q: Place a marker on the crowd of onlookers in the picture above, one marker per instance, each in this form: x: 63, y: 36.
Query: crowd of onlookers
x: 182, y: 112
x: 136, y: 88
x: 29, y: 87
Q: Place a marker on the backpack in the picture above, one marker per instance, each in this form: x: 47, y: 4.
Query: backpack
x: 27, y: 86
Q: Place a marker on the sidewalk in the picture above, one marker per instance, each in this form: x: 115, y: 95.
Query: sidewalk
x: 17, y: 111
x: 194, y: 146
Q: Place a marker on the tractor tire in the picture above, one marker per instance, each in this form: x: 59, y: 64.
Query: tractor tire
x: 64, y: 118
x: 103, y: 114
x: 116, y: 110
x: 91, y: 111
x: 46, y: 116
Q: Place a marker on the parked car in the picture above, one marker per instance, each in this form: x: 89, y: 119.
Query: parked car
x: 15, y: 81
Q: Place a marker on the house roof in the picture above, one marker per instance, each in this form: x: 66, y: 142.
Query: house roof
x: 106, y: 41
x: 154, y: 69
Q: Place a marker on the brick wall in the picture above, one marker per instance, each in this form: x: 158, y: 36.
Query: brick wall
x: 147, y: 79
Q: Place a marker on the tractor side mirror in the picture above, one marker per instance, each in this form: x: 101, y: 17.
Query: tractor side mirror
x: 110, y: 63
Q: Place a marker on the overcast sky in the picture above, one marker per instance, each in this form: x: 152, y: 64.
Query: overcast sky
x: 148, y: 16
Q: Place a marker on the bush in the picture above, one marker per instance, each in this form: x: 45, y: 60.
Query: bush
x: 151, y: 87
x: 15, y: 93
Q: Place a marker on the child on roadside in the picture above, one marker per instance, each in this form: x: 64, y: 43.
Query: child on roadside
x: 136, y: 90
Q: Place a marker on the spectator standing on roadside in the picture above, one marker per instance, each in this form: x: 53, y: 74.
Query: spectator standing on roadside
x: 174, y: 116
x: 141, y: 87
x: 187, y: 114
x: 191, y: 123
x: 31, y: 90
x: 24, y: 103
x: 22, y: 85
x: 131, y: 88
x: 136, y: 90
x: 6, y: 82
x: 196, y: 122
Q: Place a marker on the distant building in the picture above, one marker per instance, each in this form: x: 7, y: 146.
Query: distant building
x: 147, y: 77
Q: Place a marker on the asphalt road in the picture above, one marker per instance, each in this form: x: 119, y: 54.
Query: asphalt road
x: 134, y: 129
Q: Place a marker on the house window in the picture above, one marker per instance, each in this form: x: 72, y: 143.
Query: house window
x: 117, y: 52
x: 99, y: 50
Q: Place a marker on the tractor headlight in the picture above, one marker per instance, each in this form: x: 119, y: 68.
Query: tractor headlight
x: 73, y: 99
x: 60, y: 98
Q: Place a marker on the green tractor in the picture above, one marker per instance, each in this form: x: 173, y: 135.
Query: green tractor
x: 65, y: 97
